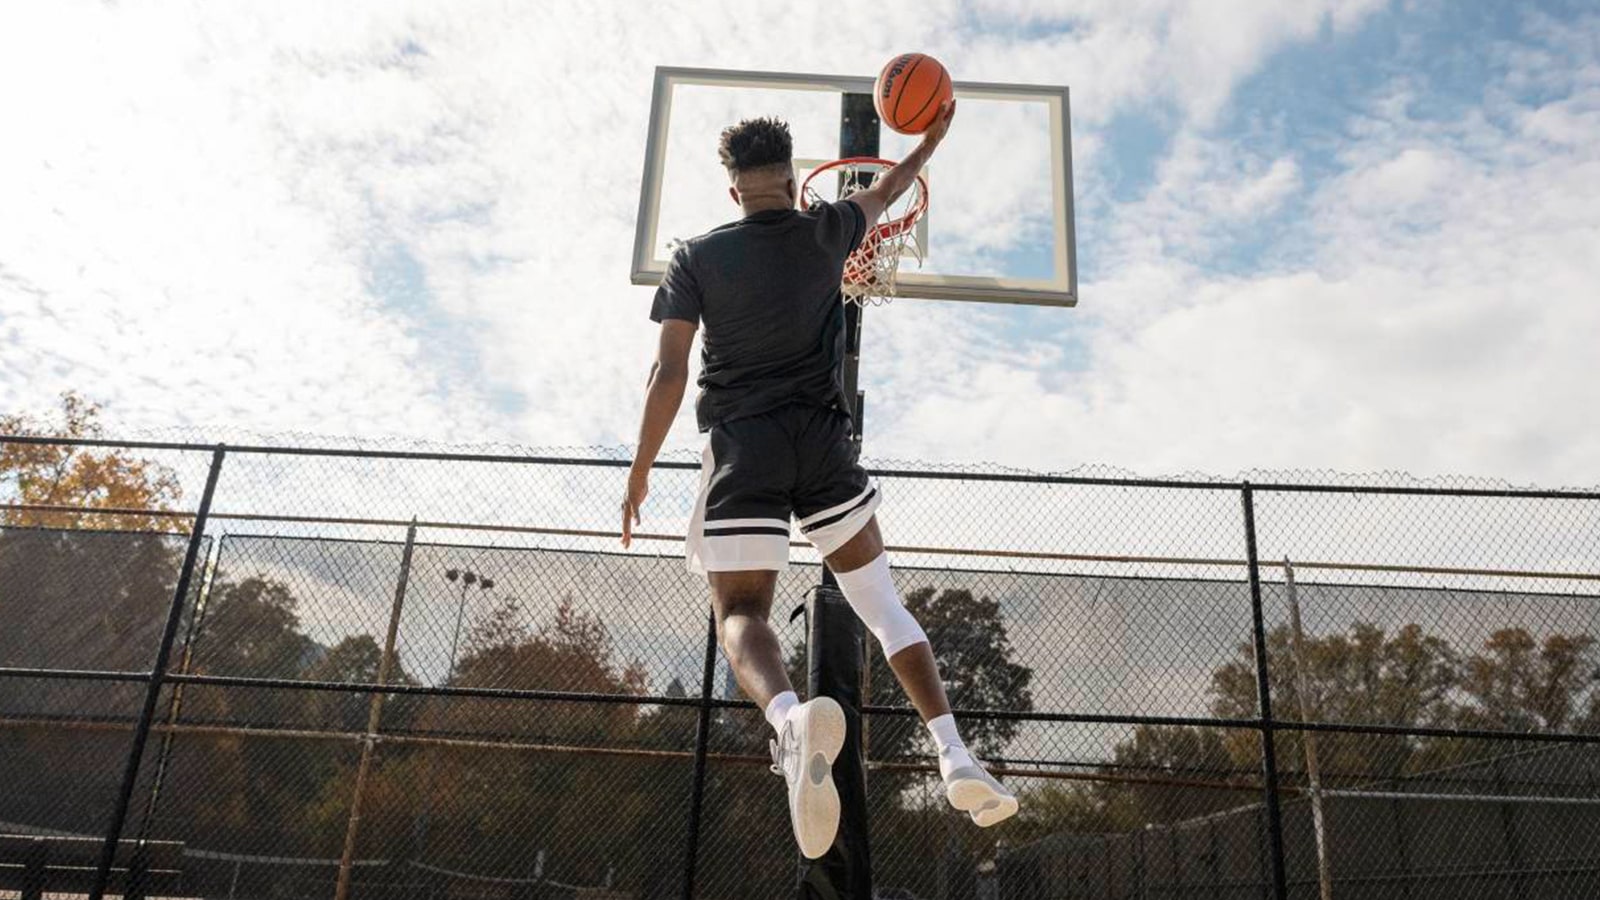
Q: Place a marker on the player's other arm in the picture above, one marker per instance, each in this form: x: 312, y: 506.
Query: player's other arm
x: 669, y: 376
x: 897, y: 180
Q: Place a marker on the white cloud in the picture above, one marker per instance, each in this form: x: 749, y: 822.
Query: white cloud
x: 1442, y: 323
x: 1154, y: 51
x: 196, y: 198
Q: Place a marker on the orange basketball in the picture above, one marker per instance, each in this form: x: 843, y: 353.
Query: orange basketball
x: 909, y: 92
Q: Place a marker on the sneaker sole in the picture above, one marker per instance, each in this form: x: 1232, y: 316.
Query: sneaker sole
x: 986, y: 805
x: 814, y: 804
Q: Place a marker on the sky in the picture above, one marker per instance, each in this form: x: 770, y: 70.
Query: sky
x: 1345, y: 235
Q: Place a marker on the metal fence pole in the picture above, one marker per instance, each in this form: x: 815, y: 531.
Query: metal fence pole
x: 1308, y: 739
x: 374, y: 717
x: 1269, y: 759
x: 1401, y: 840
x: 1508, y: 827
x: 175, y: 703
x: 152, y: 694
x: 702, y: 737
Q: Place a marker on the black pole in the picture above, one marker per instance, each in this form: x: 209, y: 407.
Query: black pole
x: 702, y: 737
x: 174, y: 709
x: 1508, y: 827
x: 834, y: 660
x: 834, y: 670
x: 858, y: 136
x: 152, y: 694
x: 1269, y: 759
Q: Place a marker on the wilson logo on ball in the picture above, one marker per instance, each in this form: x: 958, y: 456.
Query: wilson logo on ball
x: 910, y: 91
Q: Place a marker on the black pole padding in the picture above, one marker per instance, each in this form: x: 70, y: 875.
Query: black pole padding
x: 834, y: 670
x: 701, y: 738
x: 158, y: 672
x: 1269, y: 755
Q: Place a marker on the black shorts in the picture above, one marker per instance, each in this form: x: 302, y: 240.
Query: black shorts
x: 758, y: 471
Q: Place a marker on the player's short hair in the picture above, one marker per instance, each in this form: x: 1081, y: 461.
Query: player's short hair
x: 756, y: 144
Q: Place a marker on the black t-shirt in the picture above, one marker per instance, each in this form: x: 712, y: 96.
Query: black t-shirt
x: 765, y: 290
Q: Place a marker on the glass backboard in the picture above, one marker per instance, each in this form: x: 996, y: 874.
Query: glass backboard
x: 999, y: 227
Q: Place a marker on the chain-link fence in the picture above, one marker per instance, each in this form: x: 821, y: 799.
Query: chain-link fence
x: 270, y: 671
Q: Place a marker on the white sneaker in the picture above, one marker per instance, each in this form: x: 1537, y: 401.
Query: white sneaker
x: 803, y: 754
x: 974, y: 791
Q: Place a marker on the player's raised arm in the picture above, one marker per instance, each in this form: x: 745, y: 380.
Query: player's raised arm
x: 897, y: 180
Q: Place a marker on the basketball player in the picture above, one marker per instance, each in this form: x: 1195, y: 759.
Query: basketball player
x: 772, y: 402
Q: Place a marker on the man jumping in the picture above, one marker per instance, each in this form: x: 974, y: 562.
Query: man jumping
x: 778, y: 423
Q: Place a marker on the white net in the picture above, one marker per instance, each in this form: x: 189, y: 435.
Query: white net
x: 871, y: 271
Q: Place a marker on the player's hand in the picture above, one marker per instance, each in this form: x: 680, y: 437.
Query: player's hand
x: 941, y: 124
x: 638, y: 489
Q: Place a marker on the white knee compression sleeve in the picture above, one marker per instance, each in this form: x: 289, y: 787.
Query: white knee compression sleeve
x: 871, y: 593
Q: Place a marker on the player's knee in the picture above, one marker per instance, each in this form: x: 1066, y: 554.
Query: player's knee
x: 735, y: 607
x: 871, y: 593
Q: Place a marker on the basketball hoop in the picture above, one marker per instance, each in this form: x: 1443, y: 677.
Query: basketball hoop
x: 869, y: 272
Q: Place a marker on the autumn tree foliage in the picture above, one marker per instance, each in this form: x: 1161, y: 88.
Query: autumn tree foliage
x: 63, y: 479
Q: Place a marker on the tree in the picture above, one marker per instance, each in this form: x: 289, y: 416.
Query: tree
x: 1518, y: 684
x: 256, y: 784
x: 250, y: 628
x: 495, y: 805
x: 74, y: 594
x: 1367, y: 675
x: 78, y: 590
x: 59, y: 475
x: 356, y: 660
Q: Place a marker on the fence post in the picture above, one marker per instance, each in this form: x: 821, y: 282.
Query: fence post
x: 175, y: 708
x: 702, y: 736
x: 1269, y: 759
x: 1308, y: 739
x: 152, y: 694
x: 1508, y: 827
x: 374, y: 717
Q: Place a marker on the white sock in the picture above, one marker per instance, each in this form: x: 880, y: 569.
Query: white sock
x: 952, y: 751
x: 778, y: 709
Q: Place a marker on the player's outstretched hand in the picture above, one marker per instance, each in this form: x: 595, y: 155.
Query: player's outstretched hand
x: 941, y: 124
x: 638, y: 489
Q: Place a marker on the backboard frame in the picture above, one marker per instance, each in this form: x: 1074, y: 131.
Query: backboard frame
x: 1061, y: 290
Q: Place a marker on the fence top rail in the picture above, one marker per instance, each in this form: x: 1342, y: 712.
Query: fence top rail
x: 970, y: 552
x: 886, y: 471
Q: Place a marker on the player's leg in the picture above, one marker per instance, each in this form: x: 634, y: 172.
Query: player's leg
x: 862, y: 565
x: 739, y: 538
x: 742, y: 602
x: 837, y: 504
x: 808, y: 735
x: 862, y: 569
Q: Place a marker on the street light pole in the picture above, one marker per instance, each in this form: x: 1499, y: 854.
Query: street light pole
x: 468, y: 578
